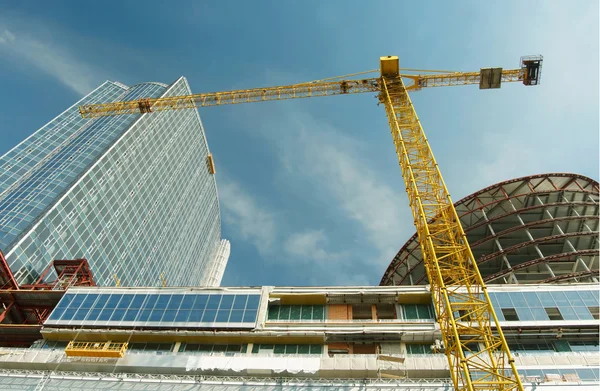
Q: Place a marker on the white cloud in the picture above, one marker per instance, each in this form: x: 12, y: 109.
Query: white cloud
x: 334, y: 167
x: 49, y: 58
x: 309, y: 246
x: 242, y: 212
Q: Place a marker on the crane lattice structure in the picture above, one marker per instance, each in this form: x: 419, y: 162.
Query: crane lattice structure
x: 479, y: 359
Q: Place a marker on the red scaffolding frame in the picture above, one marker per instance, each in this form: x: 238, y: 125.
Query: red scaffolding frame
x: 24, y: 308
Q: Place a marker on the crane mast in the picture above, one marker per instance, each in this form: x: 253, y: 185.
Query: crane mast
x: 479, y: 359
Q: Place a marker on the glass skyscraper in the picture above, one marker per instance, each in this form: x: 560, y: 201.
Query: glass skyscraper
x: 133, y: 194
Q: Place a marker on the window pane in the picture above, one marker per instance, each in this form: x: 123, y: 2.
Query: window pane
x: 188, y: 302
x: 560, y: 298
x: 162, y: 301
x: 144, y: 315
x: 586, y: 374
x: 169, y: 316
x: 503, y: 299
x: 253, y: 301
x: 117, y: 315
x: 589, y: 298
x: 101, y: 301
x: 574, y: 298
x: 250, y: 316
x: 316, y: 349
x: 213, y: 302
x: 80, y: 314
x: 539, y: 314
x: 307, y: 312
x: 56, y: 314
x: 295, y: 312
x: 68, y: 314
x: 125, y: 302
x: 303, y: 349
x: 105, y: 314
x: 77, y: 300
x: 156, y: 315
x: 594, y: 311
x: 137, y: 301
x: 182, y: 316
x: 209, y: 316
x: 222, y: 315
x: 279, y: 349
x: 93, y: 315
x: 546, y: 299
x: 89, y: 301
x: 410, y: 311
x: 518, y: 299
x: 568, y: 313
x: 273, y: 312
x: 291, y: 349
x: 175, y: 302
x: 524, y: 314
x: 131, y: 314
x: 236, y: 316
x: 240, y: 302
x: 583, y: 313
x: 151, y: 301
x: 226, y: 302
x: 532, y: 299
x: 65, y: 301
x: 200, y: 302
x: 191, y: 347
x: 196, y: 316
x: 284, y: 312
x: 318, y: 312
x: 112, y: 301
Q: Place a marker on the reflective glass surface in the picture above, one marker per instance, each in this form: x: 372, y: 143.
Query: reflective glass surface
x: 130, y: 193
x: 572, y: 305
x: 157, y: 309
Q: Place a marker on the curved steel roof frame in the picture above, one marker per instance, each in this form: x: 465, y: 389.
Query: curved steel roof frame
x: 539, y: 228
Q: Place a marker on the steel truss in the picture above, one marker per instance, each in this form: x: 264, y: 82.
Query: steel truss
x: 462, y: 304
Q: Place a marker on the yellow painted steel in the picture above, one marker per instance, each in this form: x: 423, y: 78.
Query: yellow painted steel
x: 96, y: 349
x: 465, y: 313
x: 295, y: 91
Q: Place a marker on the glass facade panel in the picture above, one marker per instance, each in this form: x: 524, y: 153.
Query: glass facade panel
x: 418, y: 311
x: 296, y: 312
x: 532, y: 306
x: 130, y: 193
x: 288, y: 349
x: 156, y: 310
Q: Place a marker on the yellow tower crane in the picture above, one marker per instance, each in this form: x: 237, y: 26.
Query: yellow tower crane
x: 463, y: 307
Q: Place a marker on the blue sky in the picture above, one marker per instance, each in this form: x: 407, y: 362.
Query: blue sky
x: 310, y: 190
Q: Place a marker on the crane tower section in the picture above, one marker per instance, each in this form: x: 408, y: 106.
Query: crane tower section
x: 463, y: 307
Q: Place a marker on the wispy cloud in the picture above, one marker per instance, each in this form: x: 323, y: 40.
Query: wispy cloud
x: 253, y: 222
x: 366, y: 217
x: 332, y: 165
x: 310, y: 246
x: 50, y: 58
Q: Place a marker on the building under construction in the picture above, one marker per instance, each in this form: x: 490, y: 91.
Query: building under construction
x: 536, y: 229
x: 451, y: 331
x: 271, y: 338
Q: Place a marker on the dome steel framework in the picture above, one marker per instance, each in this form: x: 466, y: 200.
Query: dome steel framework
x: 535, y: 229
